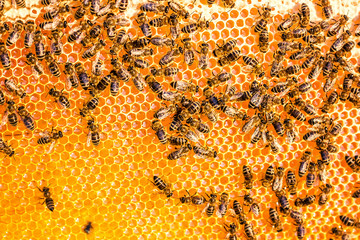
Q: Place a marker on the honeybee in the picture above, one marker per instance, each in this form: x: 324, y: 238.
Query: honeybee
x: 141, y: 19
x: 326, y: 8
x: 289, y: 22
x: 141, y: 52
x: 56, y: 24
x: 4, y: 56
x: 302, y: 202
x: 53, y: 12
x: 169, y: 56
x: 314, y: 39
x: 352, y: 163
x: 82, y: 9
x: 337, y: 26
x: 210, y: 207
x: 330, y: 102
x: 159, y: 131
x: 264, y: 41
x: 170, y: 72
x: 339, y: 232
x: 209, y: 111
x: 93, y: 135
x: 277, y: 185
x: 52, y: 137
x: 274, y: 145
x: 257, y: 97
x: 277, y: 63
x: 204, y: 58
x: 10, y: 114
x: 137, y: 79
x: 330, y: 80
x: 15, y: 34
x: 291, y: 182
x: 290, y: 131
x: 6, y: 149
x: 290, y: 70
x: 311, y: 60
x: 29, y: 35
x: 48, y: 200
x: 135, y: 62
x: 340, y: 41
x: 231, y: 230
x: 349, y: 222
x: 179, y: 10
x: 304, y: 164
x: 233, y: 112
x: 59, y: 97
x: 223, y: 205
x: 185, y: 131
x: 79, y: 32
x: 90, y: 52
x: 265, y: 16
x: 300, y: 229
x: 305, y: 15
x: 289, y: 46
x: 224, y: 48
x: 159, y: 41
x: 310, y: 177
x: 163, y: 186
x: 56, y: 44
x: 165, y: 112
x: 284, y: 87
x: 229, y: 58
x: 251, y: 123
x: 36, y: 67
x: 200, y: 126
x: 219, y: 78
x: 305, y: 106
x: 52, y: 64
x: 214, y: 101
x: 196, y: 200
x: 259, y: 133
x: 345, y: 64
x: 2, y: 97
x: 248, y: 177
x: 275, y: 219
x: 189, y: 55
x: 15, y: 89
x: 283, y: 202
x: 82, y: 76
x: 325, y: 190
x: 154, y: 7
x: 318, y: 27
x: 88, y: 227
x: 269, y: 176
x: 179, y: 153
x: 26, y: 118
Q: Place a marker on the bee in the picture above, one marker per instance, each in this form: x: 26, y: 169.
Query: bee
x: 269, y: 176
x: 278, y: 180
x: 12, y: 87
x: 82, y: 76
x: 204, y: 58
x: 29, y: 35
x: 224, y: 48
x: 265, y: 16
x: 162, y: 186
x: 289, y: 46
x: 231, y: 230
x: 165, y: 112
x: 212, y: 99
x: 274, y: 145
x: 300, y: 229
x: 291, y: 182
x: 39, y: 45
x: 339, y: 232
x: 330, y: 102
x: 230, y: 57
x: 4, y: 27
x: 290, y: 70
x: 330, y: 80
x: 79, y: 32
x: 26, y: 118
x: 209, y: 111
x: 297, y: 216
x: 4, y: 56
x: 304, y: 106
x: 289, y: 22
x: 277, y: 63
x: 36, y: 67
x: 223, y: 205
x: 229, y: 92
x: 141, y: 52
x: 337, y: 26
x: 291, y: 110
x: 196, y: 200
x: 305, y: 15
x: 257, y: 97
x: 310, y: 177
x: 219, y: 78
x: 15, y: 34
x: 135, y: 62
x: 169, y: 56
x: 59, y: 97
x: 56, y: 11
x: 302, y: 202
x: 189, y: 55
x: 93, y: 135
x: 82, y: 9
x: 159, y: 21
x: 178, y: 9
x: 249, y: 231
x: 349, y: 222
x: 10, y: 114
x: 325, y: 190
x: 318, y: 28
x: 48, y: 200
x: 326, y: 8
x: 310, y: 61
x: 144, y: 25
x: 321, y: 170
x: 200, y: 126
x: 275, y: 219
x: 159, y: 129
x: 304, y: 164
x: 248, y: 177
x: 210, y: 2
x: 51, y: 137
x: 137, y: 79
x: 170, y: 72
x: 233, y: 112
x: 264, y: 41
x: 258, y: 133
x: 290, y: 131
x: 6, y: 149
x: 199, y: 25
x: 160, y: 42
x: 178, y: 141
x: 88, y: 227
x: 171, y: 96
x: 254, y: 65
x: 90, y: 52
x: 179, y: 153
x: 154, y: 7
x: 283, y: 202
x: 52, y: 64
x: 210, y: 208
x: 254, y: 207
x: 340, y: 41
x: 251, y: 123
x: 47, y: 2
x: 2, y: 98
x: 314, y: 39
x: 352, y: 164
x: 228, y: 3
x: 57, y: 24
x: 345, y: 64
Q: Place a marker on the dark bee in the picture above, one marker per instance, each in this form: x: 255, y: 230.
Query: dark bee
x: 15, y: 34
x: 169, y: 56
x: 123, y: 4
x: 29, y: 35
x: 291, y: 110
x: 82, y: 76
x: 248, y: 177
x: 304, y: 106
x: 300, y: 230
x: 224, y: 48
x: 137, y: 79
x: 10, y: 114
x: 269, y: 176
x: 158, y: 41
x: 223, y: 206
x: 82, y: 9
x: 165, y: 112
x: 159, y: 21
x: 2, y: 98
x: 330, y: 80
x: 26, y: 118
x: 12, y: 87
x: 55, y: 11
x: 154, y: 7
x: 319, y: 27
x: 90, y: 52
x: 289, y: 46
x: 275, y: 219
x: 283, y: 202
x: 304, y: 164
x: 288, y: 23
x: 291, y: 70
x: 278, y: 126
x: 231, y: 230
x: 39, y: 45
x: 291, y: 182
x: 36, y: 67
x: 135, y: 62
x: 56, y: 44
x: 272, y: 142
x: 219, y: 78
x: 210, y: 208
x: 305, y: 15
x: 170, y: 72
x: 141, y: 52
x: 93, y: 135
x: 59, y: 97
x: 330, y: 102
x: 52, y: 64
x: 144, y: 25
x: 88, y: 227
x: 302, y: 202
x: 349, y: 222
x: 177, y: 141
x: 47, y: 2
x: 233, y: 112
x: 310, y: 61
x: 257, y: 97
x: 340, y: 41
x: 204, y: 152
x: 290, y: 131
x: 178, y: 9
x: 249, y: 231
x: 4, y: 56
x: 189, y: 55
x: 79, y: 32
x: 337, y: 26
x: 265, y: 17
x: 4, y: 27
x: 154, y: 85
x: 57, y: 24
x: 179, y: 153
x: 326, y: 8
x: 339, y: 232
x: 48, y: 200
x: 6, y: 149
x: 51, y: 137
x: 212, y: 99
x: 297, y: 216
x: 310, y: 177
x: 71, y: 77
x: 192, y: 27
x: 162, y: 186
x: 258, y: 133
x: 159, y: 129
x: 92, y: 35
x: 196, y: 200
x: 314, y: 39
x: 352, y: 164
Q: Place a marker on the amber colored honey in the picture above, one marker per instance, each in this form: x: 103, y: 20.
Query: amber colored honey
x: 109, y: 184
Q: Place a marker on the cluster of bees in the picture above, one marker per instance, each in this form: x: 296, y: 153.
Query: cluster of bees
x: 101, y: 29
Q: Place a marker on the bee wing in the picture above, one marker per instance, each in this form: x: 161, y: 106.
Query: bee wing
x: 102, y: 11
x: 88, y: 139
x: 4, y: 118
x: 81, y: 37
x: 276, y: 144
x: 248, y: 69
x: 51, y: 146
x: 94, y: 63
x: 74, y: 29
x: 44, y: 134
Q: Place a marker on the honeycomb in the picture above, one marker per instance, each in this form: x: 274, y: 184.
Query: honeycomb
x: 109, y: 185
